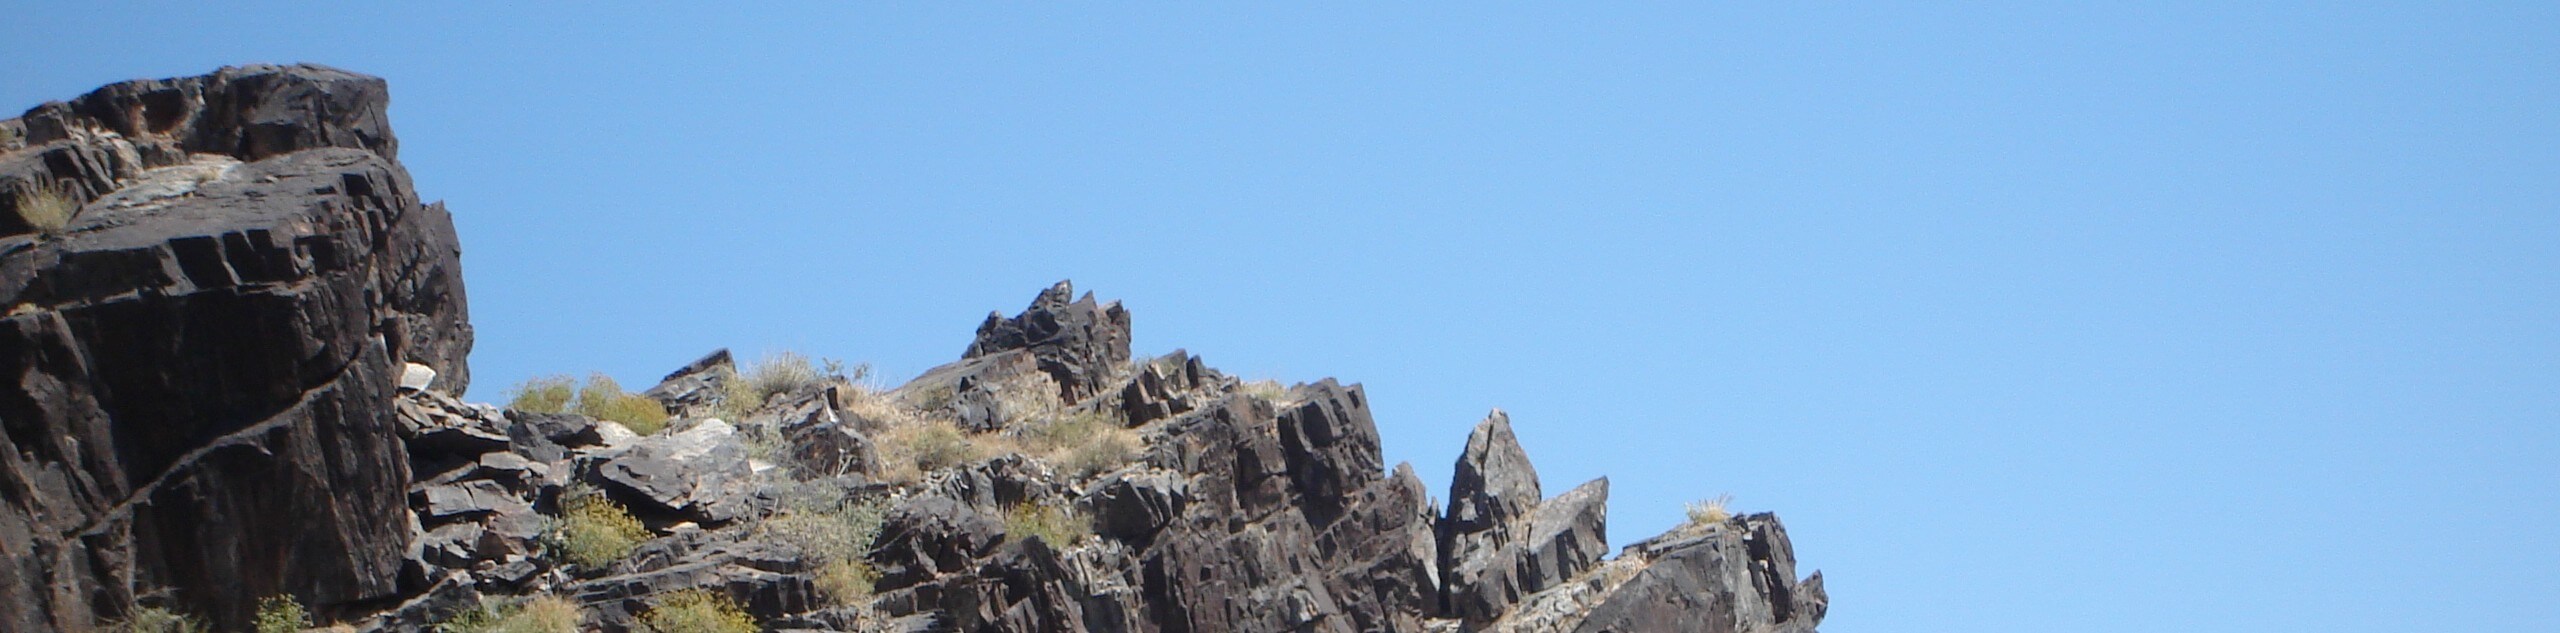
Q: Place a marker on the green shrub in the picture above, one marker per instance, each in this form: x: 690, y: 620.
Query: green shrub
x: 46, y: 206
x: 540, y: 614
x: 837, y: 535
x: 541, y: 394
x: 281, y: 614
x: 603, y: 399
x: 593, y: 531
x: 696, y: 611
x: 1059, y: 528
x: 156, y: 620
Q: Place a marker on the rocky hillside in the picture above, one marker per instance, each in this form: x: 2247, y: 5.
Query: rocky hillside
x: 234, y: 362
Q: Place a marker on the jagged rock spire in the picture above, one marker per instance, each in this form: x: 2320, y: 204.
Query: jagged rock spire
x: 1079, y: 344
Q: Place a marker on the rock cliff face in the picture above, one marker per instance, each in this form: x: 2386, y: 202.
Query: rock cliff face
x: 197, y: 372
x: 235, y: 373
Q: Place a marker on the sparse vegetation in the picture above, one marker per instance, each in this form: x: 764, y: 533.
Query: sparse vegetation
x: 156, y: 620
x: 1059, y: 528
x: 1267, y: 391
x: 778, y: 372
x: 1081, y: 445
x: 908, y: 451
x: 542, y: 394
x: 696, y: 611
x: 540, y: 614
x: 1710, y: 512
x: 46, y: 207
x: 281, y: 614
x: 932, y: 398
x: 838, y: 535
x: 603, y: 399
x: 593, y: 531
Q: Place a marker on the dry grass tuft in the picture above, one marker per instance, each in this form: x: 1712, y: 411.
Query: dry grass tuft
x: 1059, y: 528
x: 776, y: 373
x: 909, y: 451
x: 1710, y: 512
x: 1082, y: 445
x: 1267, y: 391
x: 47, y: 207
x: 540, y: 614
x: 156, y: 620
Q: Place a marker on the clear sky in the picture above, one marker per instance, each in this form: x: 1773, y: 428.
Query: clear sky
x: 2198, y: 317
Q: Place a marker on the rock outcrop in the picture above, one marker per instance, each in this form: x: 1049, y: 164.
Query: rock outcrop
x: 197, y: 371
x: 237, y: 373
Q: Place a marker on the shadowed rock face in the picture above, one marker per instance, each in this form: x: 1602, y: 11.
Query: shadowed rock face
x: 196, y: 376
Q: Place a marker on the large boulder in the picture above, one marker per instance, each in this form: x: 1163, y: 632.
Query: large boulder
x: 198, y: 371
x: 699, y: 474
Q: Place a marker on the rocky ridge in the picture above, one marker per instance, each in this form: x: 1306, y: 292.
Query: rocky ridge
x: 237, y: 373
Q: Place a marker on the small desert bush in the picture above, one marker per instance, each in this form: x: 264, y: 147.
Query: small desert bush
x: 909, y: 451
x: 778, y: 372
x: 1711, y: 511
x: 603, y: 399
x: 837, y: 536
x: 542, y: 394
x: 156, y: 620
x: 540, y: 614
x: 46, y: 206
x: 696, y: 611
x: 593, y: 531
x: 1083, y: 444
x: 281, y: 614
x: 1059, y: 528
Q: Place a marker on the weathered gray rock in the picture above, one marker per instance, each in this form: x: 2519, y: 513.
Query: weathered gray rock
x: 698, y: 388
x: 767, y: 580
x: 699, y: 473
x: 1080, y: 344
x: 1493, y: 482
x: 199, y: 374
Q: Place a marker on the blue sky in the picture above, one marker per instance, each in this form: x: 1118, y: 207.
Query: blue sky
x: 2200, y: 316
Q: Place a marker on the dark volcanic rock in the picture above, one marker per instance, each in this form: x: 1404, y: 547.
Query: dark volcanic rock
x: 1493, y: 482
x: 199, y: 373
x: 1739, y: 576
x: 1078, y: 343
